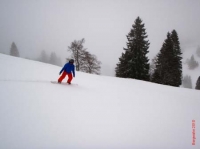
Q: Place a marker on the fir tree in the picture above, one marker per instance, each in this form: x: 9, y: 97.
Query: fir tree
x: 44, y: 57
x: 162, y: 74
x: 53, y: 58
x: 177, y: 72
x: 187, y: 82
x: 134, y: 62
x: 192, y: 63
x: 13, y: 50
x: 152, y: 67
x: 198, y: 84
x: 169, y: 65
x: 122, y: 67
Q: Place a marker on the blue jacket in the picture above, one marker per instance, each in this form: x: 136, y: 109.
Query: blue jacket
x: 68, y: 68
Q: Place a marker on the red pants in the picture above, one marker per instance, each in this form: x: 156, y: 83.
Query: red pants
x: 64, y: 75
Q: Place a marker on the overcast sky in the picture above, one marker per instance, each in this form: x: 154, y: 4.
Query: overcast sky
x: 51, y: 25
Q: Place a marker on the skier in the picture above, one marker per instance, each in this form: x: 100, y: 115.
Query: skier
x: 68, y: 69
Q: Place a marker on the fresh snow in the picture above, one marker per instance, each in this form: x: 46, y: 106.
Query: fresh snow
x: 99, y: 113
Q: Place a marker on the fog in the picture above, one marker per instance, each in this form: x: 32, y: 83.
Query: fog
x: 51, y: 25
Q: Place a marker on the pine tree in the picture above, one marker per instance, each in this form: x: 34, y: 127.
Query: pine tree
x: 198, y: 84
x: 122, y: 67
x: 152, y: 67
x: 187, y: 82
x: 53, y: 58
x: 44, y: 57
x: 134, y: 62
x: 177, y: 71
x: 13, y: 50
x: 163, y: 71
x: 169, y: 65
x: 192, y: 63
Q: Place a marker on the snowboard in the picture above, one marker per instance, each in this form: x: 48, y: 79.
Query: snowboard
x: 63, y: 83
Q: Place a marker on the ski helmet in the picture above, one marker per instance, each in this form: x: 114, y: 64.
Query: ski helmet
x: 71, y: 61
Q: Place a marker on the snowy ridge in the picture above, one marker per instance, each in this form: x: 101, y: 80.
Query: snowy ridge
x: 101, y: 112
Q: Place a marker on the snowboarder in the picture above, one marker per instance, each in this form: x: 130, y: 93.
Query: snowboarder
x: 68, y: 69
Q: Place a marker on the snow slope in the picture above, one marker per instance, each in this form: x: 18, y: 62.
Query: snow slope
x: 99, y: 113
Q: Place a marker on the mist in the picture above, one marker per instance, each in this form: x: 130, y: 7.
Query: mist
x: 51, y: 25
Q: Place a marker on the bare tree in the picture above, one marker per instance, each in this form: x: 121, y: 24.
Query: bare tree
x: 77, y: 50
x: 84, y: 60
x: 91, y: 64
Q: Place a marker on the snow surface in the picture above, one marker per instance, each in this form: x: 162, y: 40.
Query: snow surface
x: 99, y: 113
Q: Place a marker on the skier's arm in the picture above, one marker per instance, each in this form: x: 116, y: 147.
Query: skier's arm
x: 62, y: 70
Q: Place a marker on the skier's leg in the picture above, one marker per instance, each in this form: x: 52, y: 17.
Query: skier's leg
x: 62, y: 77
x: 69, y: 78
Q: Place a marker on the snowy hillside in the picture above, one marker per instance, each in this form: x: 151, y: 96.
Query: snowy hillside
x: 98, y: 113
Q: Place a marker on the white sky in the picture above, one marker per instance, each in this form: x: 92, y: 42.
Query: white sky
x: 51, y: 25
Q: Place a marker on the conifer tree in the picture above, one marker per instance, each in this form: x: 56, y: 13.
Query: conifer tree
x: 192, y: 63
x: 122, y: 67
x: 152, y: 67
x: 134, y: 62
x: 13, y: 50
x: 169, y: 65
x: 187, y: 82
x: 198, y: 84
x: 44, y: 57
x: 177, y: 71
